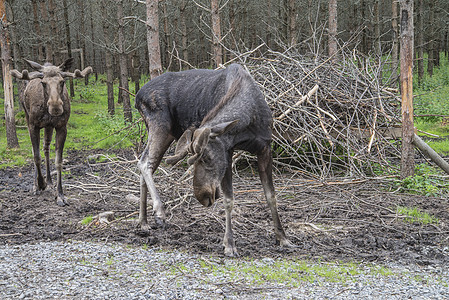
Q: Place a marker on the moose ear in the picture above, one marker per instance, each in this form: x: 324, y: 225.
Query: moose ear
x: 33, y: 65
x: 66, y: 65
x: 182, y: 148
x: 221, y: 128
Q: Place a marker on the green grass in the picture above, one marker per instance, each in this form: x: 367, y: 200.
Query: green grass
x: 89, y: 126
x: 415, y: 215
x: 432, y: 98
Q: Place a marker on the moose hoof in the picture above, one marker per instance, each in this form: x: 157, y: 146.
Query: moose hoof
x: 61, y: 201
x: 287, y: 244
x: 160, y: 223
x: 231, y: 252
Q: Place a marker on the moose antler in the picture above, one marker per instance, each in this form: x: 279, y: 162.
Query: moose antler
x: 25, y: 75
x: 77, y: 73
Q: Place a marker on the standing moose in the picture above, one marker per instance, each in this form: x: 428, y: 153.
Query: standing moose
x: 47, y: 105
x: 210, y: 113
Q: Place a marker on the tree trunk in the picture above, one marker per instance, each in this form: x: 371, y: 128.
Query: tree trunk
x: 109, y: 64
x: 53, y: 19
x: 332, y: 42
x: 420, y: 23
x: 431, y: 35
x: 406, y: 54
x: 40, y: 52
x: 10, y: 122
x: 123, y: 64
x: 69, y: 43
x: 292, y: 28
x: 154, y: 49
x: 48, y: 45
x: 216, y: 32
x: 395, y: 45
x: 182, y: 15
x: 82, y: 39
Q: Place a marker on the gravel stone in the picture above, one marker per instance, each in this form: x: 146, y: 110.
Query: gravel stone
x: 88, y: 270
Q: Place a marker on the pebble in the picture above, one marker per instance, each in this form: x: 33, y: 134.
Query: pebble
x: 89, y: 270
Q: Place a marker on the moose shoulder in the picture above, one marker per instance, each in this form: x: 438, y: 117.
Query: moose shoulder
x: 210, y: 113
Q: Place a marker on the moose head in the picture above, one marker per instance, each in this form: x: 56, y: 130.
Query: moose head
x: 210, y: 159
x: 52, y: 80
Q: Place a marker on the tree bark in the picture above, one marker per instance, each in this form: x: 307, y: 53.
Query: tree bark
x: 431, y: 35
x: 395, y: 45
x: 109, y: 65
x: 69, y: 42
x: 406, y: 54
x: 182, y: 15
x: 216, y: 32
x: 420, y: 42
x: 292, y: 28
x: 123, y: 64
x: 40, y: 52
x: 10, y: 122
x: 332, y: 42
x: 154, y: 49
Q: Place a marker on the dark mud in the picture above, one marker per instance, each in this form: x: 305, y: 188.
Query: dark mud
x: 332, y: 221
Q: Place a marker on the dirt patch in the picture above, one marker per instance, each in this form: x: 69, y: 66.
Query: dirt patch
x: 332, y: 221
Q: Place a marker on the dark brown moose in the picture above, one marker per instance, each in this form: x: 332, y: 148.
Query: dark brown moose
x: 211, y: 114
x: 47, y: 105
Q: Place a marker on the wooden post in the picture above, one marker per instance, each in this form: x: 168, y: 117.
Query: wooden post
x: 406, y: 56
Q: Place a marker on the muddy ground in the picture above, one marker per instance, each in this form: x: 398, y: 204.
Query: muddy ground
x: 335, y: 220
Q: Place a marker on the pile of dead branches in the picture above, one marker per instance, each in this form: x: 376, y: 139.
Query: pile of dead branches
x: 330, y: 118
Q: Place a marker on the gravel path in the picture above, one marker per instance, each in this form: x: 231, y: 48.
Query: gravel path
x: 86, y: 270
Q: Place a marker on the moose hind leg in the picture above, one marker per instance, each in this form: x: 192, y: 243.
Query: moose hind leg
x: 228, y: 239
x: 48, y: 135
x: 61, y: 134
x: 158, y: 143
x: 265, y: 161
x: 39, y: 181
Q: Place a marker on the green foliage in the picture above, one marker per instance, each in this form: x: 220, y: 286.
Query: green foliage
x: 432, y: 95
x: 415, y: 215
x: 87, y: 220
x: 425, y: 182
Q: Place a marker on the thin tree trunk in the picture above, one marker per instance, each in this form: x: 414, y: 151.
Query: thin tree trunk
x: 123, y: 64
x: 420, y: 23
x: 292, y: 28
x: 109, y: 64
x: 182, y: 15
x: 82, y: 40
x: 406, y: 54
x: 377, y: 44
x: 69, y: 43
x: 10, y: 122
x: 51, y: 12
x: 431, y: 34
x: 48, y: 45
x: 216, y: 32
x: 40, y: 52
x: 332, y: 42
x: 395, y: 45
x: 154, y: 49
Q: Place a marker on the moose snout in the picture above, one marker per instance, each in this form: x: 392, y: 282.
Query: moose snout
x: 55, y: 109
x: 206, y: 195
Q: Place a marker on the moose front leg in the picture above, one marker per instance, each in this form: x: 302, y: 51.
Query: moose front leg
x: 61, y: 134
x: 265, y: 161
x: 228, y: 239
x: 158, y: 143
x: 39, y: 181
x: 48, y: 134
